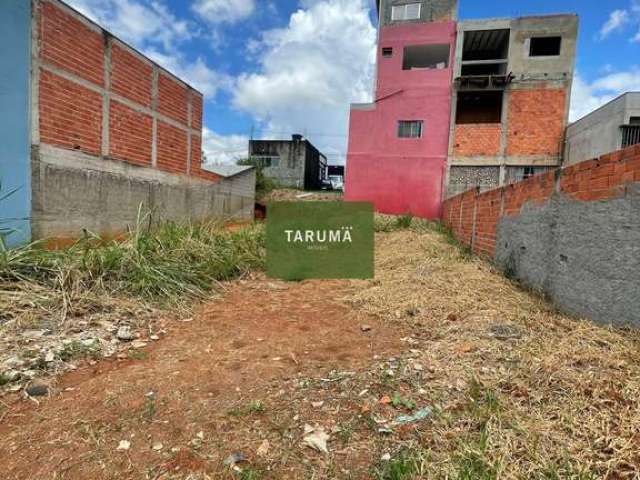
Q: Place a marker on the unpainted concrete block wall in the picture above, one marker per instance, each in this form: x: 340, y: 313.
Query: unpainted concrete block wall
x: 572, y: 233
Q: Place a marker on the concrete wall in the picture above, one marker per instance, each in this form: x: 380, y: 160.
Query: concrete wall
x: 290, y: 171
x: 573, y: 234
x: 73, y: 191
x: 15, y: 52
x: 535, y: 106
x: 599, y: 132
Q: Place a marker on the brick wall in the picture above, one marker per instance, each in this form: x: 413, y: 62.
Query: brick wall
x: 473, y: 216
x: 477, y: 139
x: 536, y: 121
x: 101, y: 97
x: 70, y: 114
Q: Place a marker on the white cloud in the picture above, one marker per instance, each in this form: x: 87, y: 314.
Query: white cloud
x: 224, y: 11
x: 149, y: 26
x: 220, y: 149
x: 617, y: 20
x: 140, y: 22
x: 197, y: 73
x: 310, y: 71
x: 620, y: 19
x: 586, y: 97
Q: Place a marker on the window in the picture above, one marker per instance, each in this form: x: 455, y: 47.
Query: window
x: 410, y: 129
x: 410, y: 11
x: 418, y: 57
x: 387, y: 52
x: 479, y: 107
x: 545, y: 46
x: 634, y: 121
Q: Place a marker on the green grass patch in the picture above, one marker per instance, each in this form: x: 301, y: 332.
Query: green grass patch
x: 406, y: 465
x: 472, y: 462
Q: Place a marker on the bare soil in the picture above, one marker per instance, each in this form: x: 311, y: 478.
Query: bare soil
x: 255, y: 345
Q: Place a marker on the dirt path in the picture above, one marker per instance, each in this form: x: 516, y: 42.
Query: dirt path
x: 199, y: 393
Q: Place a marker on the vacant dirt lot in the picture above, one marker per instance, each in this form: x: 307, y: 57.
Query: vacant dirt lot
x: 439, y: 368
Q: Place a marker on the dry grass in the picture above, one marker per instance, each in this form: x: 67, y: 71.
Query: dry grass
x: 523, y: 391
x: 292, y: 195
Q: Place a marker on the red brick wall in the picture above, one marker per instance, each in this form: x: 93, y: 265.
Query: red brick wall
x: 172, y: 148
x: 70, y: 115
x: 131, y: 77
x: 480, y: 213
x: 71, y: 45
x: 172, y: 99
x: 477, y: 139
x: 130, y: 135
x: 72, y: 52
x: 536, y: 121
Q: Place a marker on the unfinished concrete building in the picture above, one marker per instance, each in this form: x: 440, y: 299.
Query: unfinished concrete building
x: 458, y: 105
x: 512, y: 88
x: 294, y: 163
x: 612, y: 127
x: 92, y: 129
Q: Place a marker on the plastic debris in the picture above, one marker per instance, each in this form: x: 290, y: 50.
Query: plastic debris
x: 316, y: 438
x: 417, y: 416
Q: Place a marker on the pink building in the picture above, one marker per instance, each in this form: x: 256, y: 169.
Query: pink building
x: 406, y: 150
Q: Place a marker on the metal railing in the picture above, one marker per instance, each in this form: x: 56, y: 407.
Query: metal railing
x: 630, y: 135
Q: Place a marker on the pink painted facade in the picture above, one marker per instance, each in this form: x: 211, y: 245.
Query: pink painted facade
x: 403, y: 175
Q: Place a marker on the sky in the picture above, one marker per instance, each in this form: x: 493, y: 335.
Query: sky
x: 270, y: 68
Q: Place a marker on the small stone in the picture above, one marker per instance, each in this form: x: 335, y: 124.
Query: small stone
x: 386, y: 457
x: 365, y: 328
x: 418, y: 367
x: 11, y: 375
x: 125, y: 334
x: 317, y: 404
x: 157, y: 446
x: 263, y: 449
x: 234, y: 458
x: 49, y: 357
x: 37, y: 390
x: 14, y: 362
x: 124, y: 445
x: 154, y: 337
x: 138, y: 344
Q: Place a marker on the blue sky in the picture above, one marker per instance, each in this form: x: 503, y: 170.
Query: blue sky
x: 276, y: 67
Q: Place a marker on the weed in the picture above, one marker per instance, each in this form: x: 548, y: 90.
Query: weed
x: 4, y: 379
x: 483, y: 402
x: 77, y: 349
x: 400, y: 402
x: 473, y: 464
x: 249, y: 409
x: 345, y: 432
x: 149, y: 408
x: 406, y: 466
x: 404, y: 221
x: 249, y: 474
